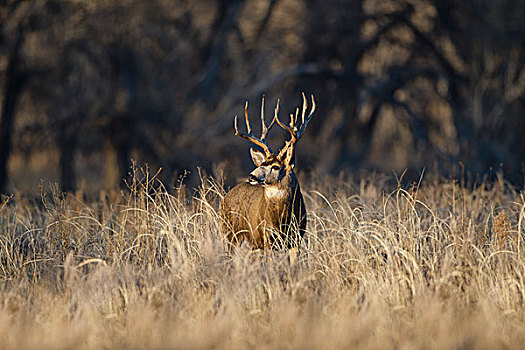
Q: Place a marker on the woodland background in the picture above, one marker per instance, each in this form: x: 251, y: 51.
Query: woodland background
x: 88, y: 86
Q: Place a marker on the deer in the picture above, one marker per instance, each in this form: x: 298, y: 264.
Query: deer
x: 267, y: 210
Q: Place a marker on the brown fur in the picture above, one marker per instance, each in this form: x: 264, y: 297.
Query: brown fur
x: 265, y: 222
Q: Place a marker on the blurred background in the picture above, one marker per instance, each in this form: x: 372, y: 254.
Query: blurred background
x: 87, y: 86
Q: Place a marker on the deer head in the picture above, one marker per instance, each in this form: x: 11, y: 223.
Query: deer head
x: 271, y: 167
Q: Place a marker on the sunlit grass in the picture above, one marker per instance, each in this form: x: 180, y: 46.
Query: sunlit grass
x: 432, y: 265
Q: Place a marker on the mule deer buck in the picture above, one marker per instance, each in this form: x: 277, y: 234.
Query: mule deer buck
x: 268, y: 210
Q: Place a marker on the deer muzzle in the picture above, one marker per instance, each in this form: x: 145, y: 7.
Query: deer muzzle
x: 254, y: 180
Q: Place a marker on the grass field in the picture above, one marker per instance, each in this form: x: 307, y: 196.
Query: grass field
x: 434, y: 265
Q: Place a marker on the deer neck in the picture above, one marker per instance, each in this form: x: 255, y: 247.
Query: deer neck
x: 282, y: 190
x: 275, y: 193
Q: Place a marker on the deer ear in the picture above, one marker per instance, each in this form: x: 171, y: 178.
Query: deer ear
x: 258, y: 157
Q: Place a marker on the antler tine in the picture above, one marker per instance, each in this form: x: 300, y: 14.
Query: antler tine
x: 305, y: 105
x: 276, y: 112
x: 265, y: 129
x: 263, y: 125
x: 247, y: 119
x: 237, y: 132
x: 305, y: 122
x: 293, y: 119
x: 249, y: 136
x: 284, y: 126
x: 292, y: 128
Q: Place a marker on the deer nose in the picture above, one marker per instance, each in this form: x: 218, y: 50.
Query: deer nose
x: 253, y: 179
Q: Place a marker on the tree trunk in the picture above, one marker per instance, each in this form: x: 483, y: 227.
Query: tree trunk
x: 123, y: 161
x: 67, y: 162
x: 116, y: 163
x: 14, y: 83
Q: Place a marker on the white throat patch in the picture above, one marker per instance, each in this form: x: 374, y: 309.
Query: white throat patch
x: 274, y: 192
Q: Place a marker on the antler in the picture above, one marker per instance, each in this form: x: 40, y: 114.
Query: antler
x: 292, y: 128
x: 261, y: 142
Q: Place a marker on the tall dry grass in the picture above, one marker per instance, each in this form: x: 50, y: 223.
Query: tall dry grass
x: 432, y: 265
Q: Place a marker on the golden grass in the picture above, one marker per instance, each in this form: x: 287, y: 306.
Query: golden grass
x: 431, y: 266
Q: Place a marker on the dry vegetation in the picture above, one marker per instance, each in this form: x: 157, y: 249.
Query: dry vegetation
x: 433, y: 265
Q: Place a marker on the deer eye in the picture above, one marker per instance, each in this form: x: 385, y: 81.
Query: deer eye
x: 275, y: 167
